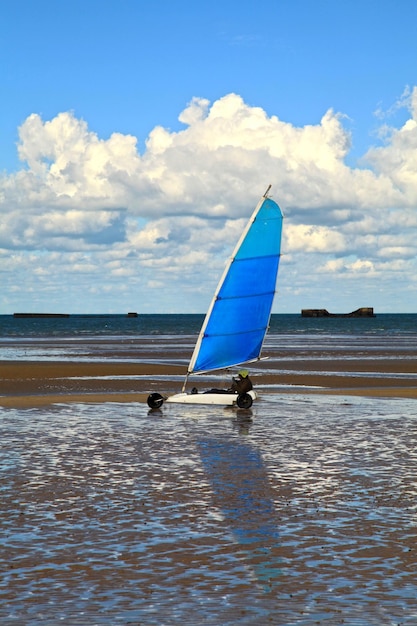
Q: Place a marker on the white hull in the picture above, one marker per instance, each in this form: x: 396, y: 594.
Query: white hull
x: 222, y: 399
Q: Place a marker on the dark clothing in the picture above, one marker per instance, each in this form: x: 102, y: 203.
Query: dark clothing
x: 241, y: 385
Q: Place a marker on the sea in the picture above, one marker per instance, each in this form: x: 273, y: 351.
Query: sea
x: 48, y: 338
x: 301, y: 510
x: 108, y: 325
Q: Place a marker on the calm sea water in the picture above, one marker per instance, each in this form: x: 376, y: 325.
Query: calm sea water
x: 118, y: 337
x: 78, y: 326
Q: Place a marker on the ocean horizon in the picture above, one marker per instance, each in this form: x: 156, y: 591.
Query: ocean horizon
x: 124, y: 325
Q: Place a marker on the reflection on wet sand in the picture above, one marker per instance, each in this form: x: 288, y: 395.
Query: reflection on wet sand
x: 303, y: 512
x: 242, y: 493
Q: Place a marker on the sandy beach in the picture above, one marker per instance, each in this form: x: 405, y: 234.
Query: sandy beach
x: 299, y: 510
x: 37, y: 383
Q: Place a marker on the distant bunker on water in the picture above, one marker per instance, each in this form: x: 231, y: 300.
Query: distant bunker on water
x: 130, y: 314
x: 366, y: 311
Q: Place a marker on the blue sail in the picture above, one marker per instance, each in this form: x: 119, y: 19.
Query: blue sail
x: 237, y: 321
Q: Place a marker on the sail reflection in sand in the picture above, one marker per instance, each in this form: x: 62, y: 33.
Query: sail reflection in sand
x: 242, y: 492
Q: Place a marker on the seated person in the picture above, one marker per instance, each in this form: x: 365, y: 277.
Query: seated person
x: 241, y: 384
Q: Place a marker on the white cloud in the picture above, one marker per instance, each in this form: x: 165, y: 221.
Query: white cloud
x: 314, y: 239
x: 66, y: 161
x: 173, y: 213
x: 397, y: 159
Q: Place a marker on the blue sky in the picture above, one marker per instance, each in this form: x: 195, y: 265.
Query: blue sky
x: 136, y: 137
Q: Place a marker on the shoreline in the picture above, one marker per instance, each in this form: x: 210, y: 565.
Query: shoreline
x: 26, y: 384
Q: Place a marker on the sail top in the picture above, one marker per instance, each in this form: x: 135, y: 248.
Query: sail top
x: 238, y: 317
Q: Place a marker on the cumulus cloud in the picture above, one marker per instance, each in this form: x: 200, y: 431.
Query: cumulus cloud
x: 398, y: 158
x: 314, y: 239
x: 177, y: 209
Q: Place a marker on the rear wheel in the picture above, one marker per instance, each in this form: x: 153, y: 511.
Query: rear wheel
x: 155, y: 400
x: 244, y: 401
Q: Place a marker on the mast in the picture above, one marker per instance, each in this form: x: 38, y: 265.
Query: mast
x: 238, y: 317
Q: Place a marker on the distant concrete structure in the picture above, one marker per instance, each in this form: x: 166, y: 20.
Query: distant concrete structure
x: 365, y: 311
x: 40, y: 314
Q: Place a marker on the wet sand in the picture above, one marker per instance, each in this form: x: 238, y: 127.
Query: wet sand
x: 37, y: 383
x: 299, y: 511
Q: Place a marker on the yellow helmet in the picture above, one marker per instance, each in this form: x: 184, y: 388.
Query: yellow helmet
x: 243, y: 373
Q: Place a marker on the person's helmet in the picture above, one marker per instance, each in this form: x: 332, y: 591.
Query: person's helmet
x: 243, y: 373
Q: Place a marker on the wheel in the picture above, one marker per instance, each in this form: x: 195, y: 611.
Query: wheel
x: 155, y: 400
x: 244, y: 401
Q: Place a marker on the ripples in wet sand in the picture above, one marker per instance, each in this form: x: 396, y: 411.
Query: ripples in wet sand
x: 300, y: 511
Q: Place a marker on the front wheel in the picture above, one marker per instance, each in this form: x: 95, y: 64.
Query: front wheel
x: 244, y: 401
x: 155, y: 400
